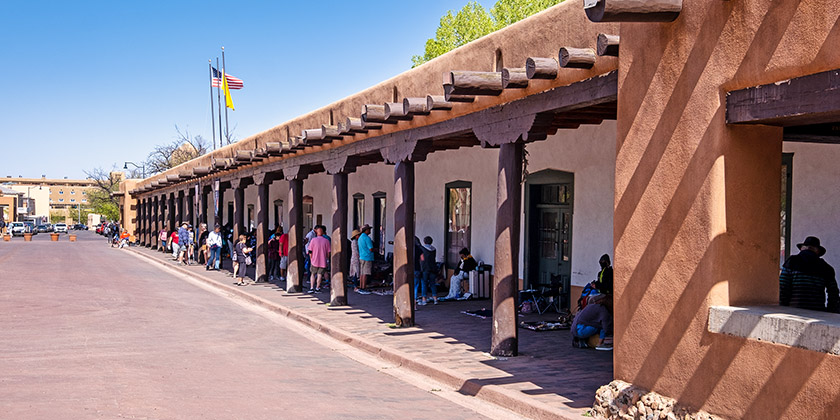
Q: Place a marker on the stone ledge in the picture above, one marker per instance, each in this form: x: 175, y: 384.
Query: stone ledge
x: 812, y: 330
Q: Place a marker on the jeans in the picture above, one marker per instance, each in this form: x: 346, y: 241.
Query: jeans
x: 586, y: 331
x: 429, y: 282
x: 418, y: 280
x: 215, y: 257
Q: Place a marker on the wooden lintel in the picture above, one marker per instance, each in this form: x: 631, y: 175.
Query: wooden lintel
x: 803, y: 100
x: 634, y: 11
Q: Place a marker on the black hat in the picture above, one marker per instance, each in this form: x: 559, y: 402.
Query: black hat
x: 812, y: 241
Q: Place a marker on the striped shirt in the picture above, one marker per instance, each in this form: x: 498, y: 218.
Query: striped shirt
x: 808, y: 282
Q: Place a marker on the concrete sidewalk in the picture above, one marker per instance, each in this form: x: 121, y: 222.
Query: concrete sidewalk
x: 549, y: 379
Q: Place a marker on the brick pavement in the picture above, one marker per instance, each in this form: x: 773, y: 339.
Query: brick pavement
x: 549, y: 379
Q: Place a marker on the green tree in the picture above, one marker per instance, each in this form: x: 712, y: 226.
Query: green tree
x: 102, y: 199
x: 473, y: 22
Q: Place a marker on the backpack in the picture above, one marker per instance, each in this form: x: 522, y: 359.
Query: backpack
x: 584, y: 296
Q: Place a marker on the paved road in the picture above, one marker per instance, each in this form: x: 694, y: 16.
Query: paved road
x: 92, y: 332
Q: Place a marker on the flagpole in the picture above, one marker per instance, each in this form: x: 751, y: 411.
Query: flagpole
x: 212, y: 111
x: 224, y: 74
x: 219, y: 98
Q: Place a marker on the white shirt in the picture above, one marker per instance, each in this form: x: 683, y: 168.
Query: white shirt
x: 214, y: 238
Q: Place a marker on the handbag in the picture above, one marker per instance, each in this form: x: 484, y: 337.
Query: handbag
x: 247, y: 260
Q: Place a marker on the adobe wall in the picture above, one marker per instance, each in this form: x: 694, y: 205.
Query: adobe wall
x: 696, y: 206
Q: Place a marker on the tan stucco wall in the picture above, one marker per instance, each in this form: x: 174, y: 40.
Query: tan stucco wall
x: 696, y: 206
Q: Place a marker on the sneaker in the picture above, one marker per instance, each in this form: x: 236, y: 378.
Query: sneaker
x: 604, y: 348
x: 311, y: 291
x: 362, y: 292
x: 422, y: 303
x: 318, y: 290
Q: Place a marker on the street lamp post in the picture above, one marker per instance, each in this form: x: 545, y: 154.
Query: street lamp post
x: 142, y: 167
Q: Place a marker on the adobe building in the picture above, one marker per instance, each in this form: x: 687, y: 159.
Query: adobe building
x: 692, y: 141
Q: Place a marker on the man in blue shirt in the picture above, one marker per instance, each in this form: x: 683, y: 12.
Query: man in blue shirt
x: 183, y: 244
x: 365, y: 256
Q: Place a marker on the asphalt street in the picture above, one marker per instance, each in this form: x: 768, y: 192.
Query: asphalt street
x: 88, y: 331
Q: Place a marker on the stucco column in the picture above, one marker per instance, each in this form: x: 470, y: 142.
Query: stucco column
x: 294, y: 272
x: 338, y: 256
x: 238, y: 208
x: 263, y: 181
x: 404, y: 244
x: 504, y: 340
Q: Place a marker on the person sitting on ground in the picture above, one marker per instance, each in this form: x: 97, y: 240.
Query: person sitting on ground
x: 428, y: 263
x: 214, y: 248
x: 604, y: 283
x: 241, y: 249
x: 806, y: 279
x: 124, y: 236
x: 462, y: 272
x: 319, y: 255
x: 595, y: 318
x: 365, y: 256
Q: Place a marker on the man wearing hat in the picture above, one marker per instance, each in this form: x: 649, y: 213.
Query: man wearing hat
x: 806, y: 279
x: 365, y: 256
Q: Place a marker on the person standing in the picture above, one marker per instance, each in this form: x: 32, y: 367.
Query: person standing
x: 202, y: 243
x: 183, y: 244
x: 173, y: 243
x: 162, y: 237
x: 214, y: 247
x: 319, y: 255
x: 273, y: 256
x: 807, y: 281
x: 604, y: 282
x: 428, y: 262
x: 241, y: 249
x: 354, y: 258
x: 283, y: 249
x: 365, y: 256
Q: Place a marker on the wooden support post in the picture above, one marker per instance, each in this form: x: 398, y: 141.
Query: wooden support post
x: 179, y: 208
x: 144, y: 222
x: 577, y: 58
x: 238, y: 210
x: 294, y: 274
x: 338, y: 257
x: 202, y: 207
x: 404, y: 244
x: 170, y: 211
x: 190, y: 208
x: 608, y: 44
x: 156, y: 221
x: 263, y: 181
x: 504, y: 341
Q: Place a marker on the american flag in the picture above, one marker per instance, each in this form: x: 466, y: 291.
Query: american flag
x: 233, y: 82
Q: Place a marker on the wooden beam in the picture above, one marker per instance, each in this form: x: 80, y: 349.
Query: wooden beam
x: 375, y: 114
x: 608, y: 45
x: 514, y: 78
x: 244, y: 156
x: 803, y: 100
x: 474, y: 83
x: 330, y: 132
x: 396, y: 111
x: 274, y: 148
x: 416, y: 106
x: 437, y: 103
x: 633, y: 10
x: 201, y: 170
x: 172, y: 178
x: 449, y: 96
x: 577, y: 58
x: 541, y: 68
x: 312, y: 137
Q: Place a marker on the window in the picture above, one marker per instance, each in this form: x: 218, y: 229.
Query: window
x: 308, y: 220
x: 379, y: 213
x: 72, y: 192
x: 358, y: 210
x: 60, y: 200
x: 84, y: 200
x: 84, y: 192
x: 72, y: 200
x: 458, y: 220
x: 61, y: 191
x: 278, y: 213
x: 787, y: 197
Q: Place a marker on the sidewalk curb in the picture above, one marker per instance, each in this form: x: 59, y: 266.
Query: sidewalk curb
x: 507, y: 399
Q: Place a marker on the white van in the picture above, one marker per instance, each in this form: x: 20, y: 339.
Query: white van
x: 60, y: 228
x: 17, y: 228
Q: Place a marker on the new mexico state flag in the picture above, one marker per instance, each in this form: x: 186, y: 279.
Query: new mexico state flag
x: 228, y: 99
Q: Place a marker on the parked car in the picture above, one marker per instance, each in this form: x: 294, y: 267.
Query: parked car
x: 43, y: 228
x: 30, y: 228
x: 60, y: 228
x: 17, y: 228
x: 79, y: 226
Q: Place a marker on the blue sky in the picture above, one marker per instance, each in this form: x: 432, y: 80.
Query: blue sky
x: 94, y: 84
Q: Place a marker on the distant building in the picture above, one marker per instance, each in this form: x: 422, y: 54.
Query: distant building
x: 52, y: 194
